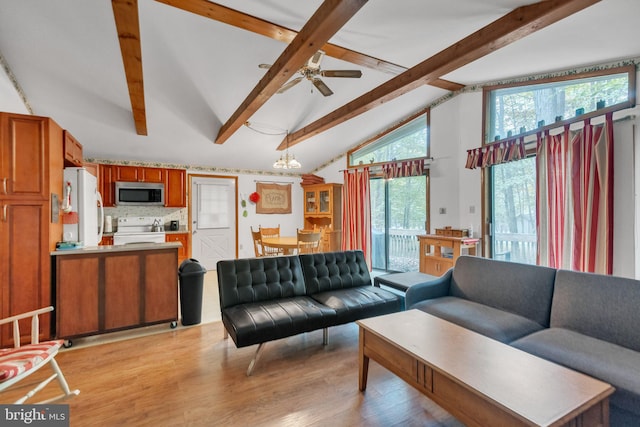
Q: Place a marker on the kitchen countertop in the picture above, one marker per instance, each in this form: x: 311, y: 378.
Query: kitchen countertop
x: 166, y: 230
x: 118, y: 248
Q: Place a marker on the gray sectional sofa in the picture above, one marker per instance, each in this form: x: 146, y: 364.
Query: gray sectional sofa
x: 269, y: 298
x: 587, y: 322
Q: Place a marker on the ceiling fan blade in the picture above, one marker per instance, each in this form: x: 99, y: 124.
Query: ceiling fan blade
x: 290, y: 84
x: 265, y: 66
x: 342, y: 73
x: 323, y: 88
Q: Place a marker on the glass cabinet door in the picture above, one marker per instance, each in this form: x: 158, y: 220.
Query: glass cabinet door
x: 325, y: 201
x: 310, y: 201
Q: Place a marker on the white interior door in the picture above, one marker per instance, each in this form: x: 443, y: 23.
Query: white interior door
x: 213, y: 219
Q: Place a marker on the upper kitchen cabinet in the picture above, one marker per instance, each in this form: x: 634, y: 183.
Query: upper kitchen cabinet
x: 138, y: 174
x: 23, y: 154
x: 106, y: 185
x: 175, y: 188
x: 72, y: 150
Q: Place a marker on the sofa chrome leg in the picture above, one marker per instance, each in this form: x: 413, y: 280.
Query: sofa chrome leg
x: 256, y: 356
x: 325, y: 336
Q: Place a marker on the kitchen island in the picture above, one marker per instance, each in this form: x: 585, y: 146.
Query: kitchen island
x: 103, y: 289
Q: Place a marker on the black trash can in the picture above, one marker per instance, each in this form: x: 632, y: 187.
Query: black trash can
x: 191, y: 274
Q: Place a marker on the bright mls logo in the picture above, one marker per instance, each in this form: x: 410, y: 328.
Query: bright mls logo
x: 34, y: 415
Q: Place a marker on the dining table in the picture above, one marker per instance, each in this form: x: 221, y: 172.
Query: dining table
x: 288, y: 244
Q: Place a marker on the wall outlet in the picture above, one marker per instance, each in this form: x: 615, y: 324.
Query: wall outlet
x: 472, y: 209
x: 442, y: 211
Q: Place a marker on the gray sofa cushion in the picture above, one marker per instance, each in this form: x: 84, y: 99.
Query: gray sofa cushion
x: 608, y: 362
x: 493, y: 323
x: 521, y: 289
x: 604, y: 307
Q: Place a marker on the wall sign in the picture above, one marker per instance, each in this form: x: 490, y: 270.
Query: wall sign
x: 274, y: 198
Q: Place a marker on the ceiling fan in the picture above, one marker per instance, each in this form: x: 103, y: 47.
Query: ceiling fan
x: 311, y: 70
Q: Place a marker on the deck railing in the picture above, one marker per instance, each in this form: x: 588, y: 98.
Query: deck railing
x: 404, y: 249
x: 515, y: 247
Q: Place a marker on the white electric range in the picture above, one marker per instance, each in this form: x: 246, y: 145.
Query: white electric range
x: 139, y: 229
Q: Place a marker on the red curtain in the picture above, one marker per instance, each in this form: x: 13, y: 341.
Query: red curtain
x: 356, y: 212
x: 575, y: 198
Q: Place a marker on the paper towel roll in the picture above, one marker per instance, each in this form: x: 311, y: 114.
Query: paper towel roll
x: 108, y: 224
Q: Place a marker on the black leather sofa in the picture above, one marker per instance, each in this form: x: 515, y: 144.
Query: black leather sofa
x: 269, y: 298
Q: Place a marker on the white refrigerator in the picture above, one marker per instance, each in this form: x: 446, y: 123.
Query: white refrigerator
x: 83, y: 205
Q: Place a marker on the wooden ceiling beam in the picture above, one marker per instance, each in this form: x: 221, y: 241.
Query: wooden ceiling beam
x: 511, y: 27
x: 256, y: 25
x: 325, y: 22
x: 125, y: 13
x: 241, y: 20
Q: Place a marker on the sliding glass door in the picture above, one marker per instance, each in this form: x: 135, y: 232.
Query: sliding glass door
x: 398, y: 215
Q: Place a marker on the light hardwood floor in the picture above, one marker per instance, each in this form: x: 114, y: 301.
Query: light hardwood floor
x: 191, y: 376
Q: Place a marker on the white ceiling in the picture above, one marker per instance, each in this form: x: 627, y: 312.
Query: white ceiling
x: 197, y: 71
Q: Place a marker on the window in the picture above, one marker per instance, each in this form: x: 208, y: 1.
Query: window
x: 516, y: 109
x: 513, y: 213
x: 398, y: 205
x: 510, y: 188
x: 408, y: 141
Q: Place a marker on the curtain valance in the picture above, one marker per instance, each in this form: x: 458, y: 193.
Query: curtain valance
x: 403, y: 169
x: 496, y: 153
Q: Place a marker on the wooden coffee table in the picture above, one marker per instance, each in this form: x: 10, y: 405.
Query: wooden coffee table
x: 478, y: 380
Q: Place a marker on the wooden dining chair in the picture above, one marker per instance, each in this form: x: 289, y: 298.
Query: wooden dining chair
x: 308, y: 241
x: 270, y: 232
x: 257, y: 243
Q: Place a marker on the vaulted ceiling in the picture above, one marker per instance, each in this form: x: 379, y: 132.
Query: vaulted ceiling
x: 174, y: 81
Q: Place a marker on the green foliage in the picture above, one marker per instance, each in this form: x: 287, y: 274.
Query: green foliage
x: 525, y: 106
x: 514, y: 196
x: 407, y: 203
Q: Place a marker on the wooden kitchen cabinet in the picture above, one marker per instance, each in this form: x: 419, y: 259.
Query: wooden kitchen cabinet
x: 77, y: 302
x: 122, y: 291
x: 93, y: 169
x: 31, y: 164
x: 24, y: 156
x: 106, y: 241
x: 183, y: 238
x: 102, y: 292
x: 107, y: 185
x: 323, y: 210
x: 138, y: 174
x: 72, y: 150
x: 175, y: 188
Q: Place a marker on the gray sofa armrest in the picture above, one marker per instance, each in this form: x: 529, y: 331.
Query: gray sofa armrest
x: 434, y: 289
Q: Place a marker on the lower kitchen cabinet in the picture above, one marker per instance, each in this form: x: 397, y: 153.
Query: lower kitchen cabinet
x: 110, y: 291
x: 24, y: 265
x: 183, y: 238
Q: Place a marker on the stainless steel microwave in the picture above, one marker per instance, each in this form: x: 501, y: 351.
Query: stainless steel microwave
x: 139, y: 194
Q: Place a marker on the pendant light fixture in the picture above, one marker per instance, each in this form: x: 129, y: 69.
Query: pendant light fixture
x: 287, y: 161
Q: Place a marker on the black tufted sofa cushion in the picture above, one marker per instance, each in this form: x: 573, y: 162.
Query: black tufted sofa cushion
x: 329, y: 271
x: 259, y: 279
x: 341, y: 280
